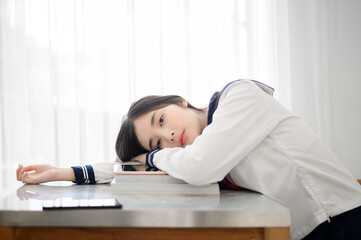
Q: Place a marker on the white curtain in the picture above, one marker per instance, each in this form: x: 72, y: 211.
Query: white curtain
x: 69, y: 69
x: 325, y: 74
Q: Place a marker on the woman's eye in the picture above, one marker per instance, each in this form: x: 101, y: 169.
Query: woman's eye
x: 161, y: 120
x: 158, y: 144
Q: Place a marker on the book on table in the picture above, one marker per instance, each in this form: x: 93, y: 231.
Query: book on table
x: 158, y: 182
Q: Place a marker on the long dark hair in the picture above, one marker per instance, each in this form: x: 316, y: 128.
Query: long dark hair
x: 127, y: 144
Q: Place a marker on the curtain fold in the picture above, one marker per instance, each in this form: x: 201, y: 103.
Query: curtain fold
x: 325, y: 56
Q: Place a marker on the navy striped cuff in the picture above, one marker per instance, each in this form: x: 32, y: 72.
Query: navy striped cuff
x: 149, y: 158
x: 84, y: 174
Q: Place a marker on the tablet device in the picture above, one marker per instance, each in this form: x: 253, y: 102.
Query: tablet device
x: 68, y: 203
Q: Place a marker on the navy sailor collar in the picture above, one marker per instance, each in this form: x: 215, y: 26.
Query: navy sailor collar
x: 213, y: 103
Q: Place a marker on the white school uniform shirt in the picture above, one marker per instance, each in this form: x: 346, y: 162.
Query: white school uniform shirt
x: 258, y: 144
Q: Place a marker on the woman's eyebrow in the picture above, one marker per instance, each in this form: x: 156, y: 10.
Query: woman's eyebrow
x: 152, y: 119
x: 152, y: 124
x: 150, y: 144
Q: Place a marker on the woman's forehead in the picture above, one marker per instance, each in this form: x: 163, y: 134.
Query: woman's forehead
x: 148, y: 120
x: 142, y: 128
x: 144, y: 120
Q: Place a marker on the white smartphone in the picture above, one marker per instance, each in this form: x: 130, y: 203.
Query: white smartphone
x: 68, y: 203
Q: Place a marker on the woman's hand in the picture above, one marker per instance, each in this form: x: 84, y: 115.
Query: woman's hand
x: 140, y: 158
x: 43, y: 173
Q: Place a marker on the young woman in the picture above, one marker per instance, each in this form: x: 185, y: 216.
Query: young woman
x: 245, y: 137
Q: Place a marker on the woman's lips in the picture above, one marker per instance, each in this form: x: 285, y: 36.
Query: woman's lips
x: 182, y: 138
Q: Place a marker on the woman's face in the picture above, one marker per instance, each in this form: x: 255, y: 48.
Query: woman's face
x: 170, y: 126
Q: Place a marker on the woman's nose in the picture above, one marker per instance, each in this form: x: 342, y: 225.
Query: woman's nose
x: 172, y: 136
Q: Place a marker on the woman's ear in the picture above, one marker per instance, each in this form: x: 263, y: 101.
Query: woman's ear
x: 184, y: 103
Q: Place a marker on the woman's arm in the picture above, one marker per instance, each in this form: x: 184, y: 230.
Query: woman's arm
x: 243, y: 119
x: 43, y: 173
x: 88, y: 174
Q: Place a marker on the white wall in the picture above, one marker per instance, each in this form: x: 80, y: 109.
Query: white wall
x: 325, y: 60
x: 344, y: 33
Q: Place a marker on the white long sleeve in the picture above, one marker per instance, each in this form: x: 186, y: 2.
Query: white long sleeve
x: 244, y: 117
x: 258, y: 144
x: 104, y: 172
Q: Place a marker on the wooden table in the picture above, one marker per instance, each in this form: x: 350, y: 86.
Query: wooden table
x: 229, y: 215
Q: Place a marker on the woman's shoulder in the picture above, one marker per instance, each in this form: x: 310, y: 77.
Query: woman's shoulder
x: 242, y: 85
